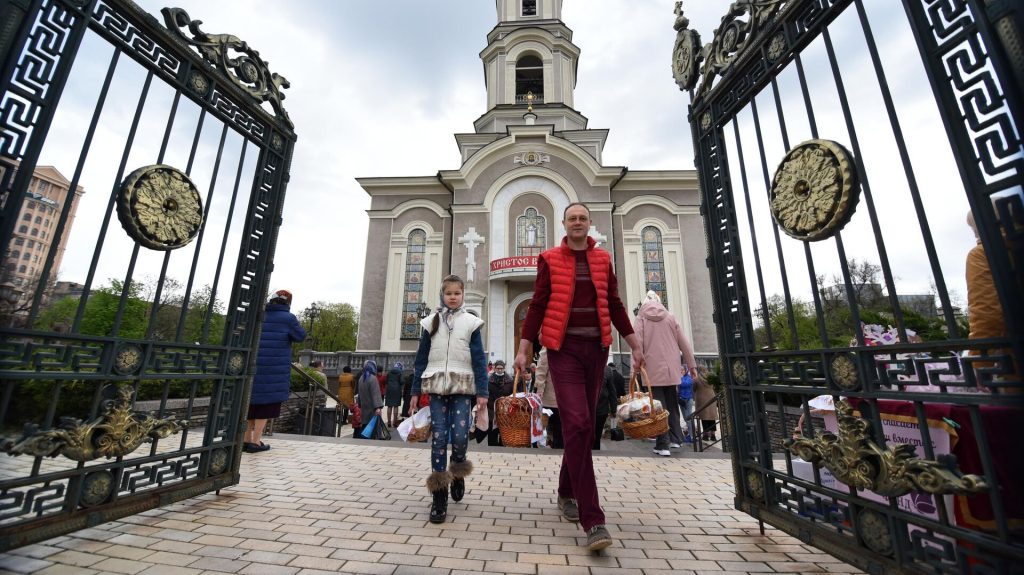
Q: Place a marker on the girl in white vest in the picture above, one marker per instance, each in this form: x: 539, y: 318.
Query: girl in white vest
x: 451, y: 366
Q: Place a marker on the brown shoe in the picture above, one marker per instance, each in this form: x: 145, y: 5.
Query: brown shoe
x: 598, y: 538
x: 570, y: 510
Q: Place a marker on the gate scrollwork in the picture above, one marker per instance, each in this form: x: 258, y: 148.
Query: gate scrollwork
x: 856, y: 460
x: 247, y: 70
x: 116, y: 432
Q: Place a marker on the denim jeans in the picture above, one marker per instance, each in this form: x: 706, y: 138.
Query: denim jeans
x: 450, y: 421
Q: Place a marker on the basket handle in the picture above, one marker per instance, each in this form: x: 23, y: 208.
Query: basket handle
x: 515, y: 385
x: 634, y: 387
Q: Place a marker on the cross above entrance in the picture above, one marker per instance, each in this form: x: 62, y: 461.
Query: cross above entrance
x: 471, y: 240
x: 598, y: 236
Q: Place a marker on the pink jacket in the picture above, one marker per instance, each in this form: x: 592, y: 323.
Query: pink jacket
x: 662, y: 340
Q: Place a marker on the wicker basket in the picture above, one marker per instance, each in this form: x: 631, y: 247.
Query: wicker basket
x: 418, y: 434
x: 513, y: 416
x: 648, y: 428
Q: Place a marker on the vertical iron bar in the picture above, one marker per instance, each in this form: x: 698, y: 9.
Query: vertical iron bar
x: 110, y: 204
x: 65, y: 213
x: 223, y: 246
x: 199, y: 240
x: 840, y: 248
x: 883, y: 256
x: 822, y: 331
x: 794, y: 338
x: 989, y: 468
x: 908, y: 169
x: 753, y: 235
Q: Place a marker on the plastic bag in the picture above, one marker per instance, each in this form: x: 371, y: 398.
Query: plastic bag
x: 367, y: 432
x: 419, y: 420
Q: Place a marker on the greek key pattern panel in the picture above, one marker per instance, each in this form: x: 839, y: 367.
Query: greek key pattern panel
x: 222, y: 421
x: 236, y: 115
x: 34, y: 501
x: 159, y: 474
x: 256, y: 247
x: 719, y: 215
x: 30, y: 86
x: 961, y: 59
x: 822, y: 511
x: 69, y: 357
x: 130, y: 38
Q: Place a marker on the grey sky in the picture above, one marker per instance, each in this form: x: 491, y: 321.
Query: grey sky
x: 379, y: 89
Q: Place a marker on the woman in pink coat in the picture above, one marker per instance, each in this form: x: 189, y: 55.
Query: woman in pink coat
x: 662, y: 339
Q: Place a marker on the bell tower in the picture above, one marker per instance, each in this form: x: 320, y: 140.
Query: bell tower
x: 530, y: 60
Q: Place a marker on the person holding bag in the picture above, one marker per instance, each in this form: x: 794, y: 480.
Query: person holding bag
x: 662, y: 339
x: 451, y: 367
x: 368, y: 394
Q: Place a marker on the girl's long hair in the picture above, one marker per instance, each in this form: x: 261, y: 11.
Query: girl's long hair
x: 448, y: 279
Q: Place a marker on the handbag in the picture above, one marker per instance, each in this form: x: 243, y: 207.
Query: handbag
x: 381, y: 431
x: 370, y: 427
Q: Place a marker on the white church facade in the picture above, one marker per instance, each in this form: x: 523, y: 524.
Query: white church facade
x: 530, y: 155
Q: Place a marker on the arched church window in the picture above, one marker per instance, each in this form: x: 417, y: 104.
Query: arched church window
x: 654, y: 262
x: 529, y: 7
x: 529, y: 78
x: 414, y: 264
x: 531, y: 233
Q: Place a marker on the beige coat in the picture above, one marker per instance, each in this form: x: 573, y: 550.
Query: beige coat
x: 542, y: 381
x: 702, y: 394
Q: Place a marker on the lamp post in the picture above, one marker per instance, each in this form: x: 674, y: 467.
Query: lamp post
x: 312, y: 312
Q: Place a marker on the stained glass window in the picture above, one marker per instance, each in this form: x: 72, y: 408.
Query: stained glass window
x: 531, y: 233
x: 654, y: 263
x: 415, y: 255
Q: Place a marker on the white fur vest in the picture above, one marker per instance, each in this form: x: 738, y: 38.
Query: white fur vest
x: 450, y: 366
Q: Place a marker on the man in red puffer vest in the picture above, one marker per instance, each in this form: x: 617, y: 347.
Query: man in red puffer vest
x: 575, y: 302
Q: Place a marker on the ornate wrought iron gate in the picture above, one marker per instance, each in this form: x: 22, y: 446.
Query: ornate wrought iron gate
x: 107, y: 118
x: 919, y: 467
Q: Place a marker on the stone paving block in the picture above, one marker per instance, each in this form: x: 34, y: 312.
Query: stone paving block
x: 169, y: 570
x: 506, y: 567
x: 258, y: 569
x: 36, y: 551
x: 322, y: 563
x: 62, y: 570
x: 123, y: 552
x: 115, y: 565
x: 22, y: 564
x: 370, y: 568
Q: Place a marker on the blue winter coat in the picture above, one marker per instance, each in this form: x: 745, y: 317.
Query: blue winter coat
x: 274, y: 358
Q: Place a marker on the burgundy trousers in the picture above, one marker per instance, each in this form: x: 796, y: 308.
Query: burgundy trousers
x: 576, y: 371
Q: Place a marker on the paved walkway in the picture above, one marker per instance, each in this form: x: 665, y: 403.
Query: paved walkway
x: 343, y: 506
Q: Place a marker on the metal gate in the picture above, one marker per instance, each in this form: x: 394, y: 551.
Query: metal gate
x: 142, y: 177
x: 874, y: 412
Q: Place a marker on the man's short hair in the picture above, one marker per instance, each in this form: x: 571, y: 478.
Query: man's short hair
x: 316, y: 363
x: 566, y: 210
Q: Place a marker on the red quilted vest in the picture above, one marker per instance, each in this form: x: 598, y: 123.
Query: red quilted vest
x: 562, y: 267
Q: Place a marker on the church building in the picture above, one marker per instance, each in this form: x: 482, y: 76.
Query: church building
x: 531, y: 154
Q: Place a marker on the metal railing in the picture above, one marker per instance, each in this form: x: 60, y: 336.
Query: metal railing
x: 309, y: 402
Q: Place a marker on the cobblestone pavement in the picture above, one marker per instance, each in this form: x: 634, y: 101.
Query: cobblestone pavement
x: 341, y: 506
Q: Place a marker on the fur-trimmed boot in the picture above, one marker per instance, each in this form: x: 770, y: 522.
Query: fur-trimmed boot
x: 437, y: 484
x: 459, y: 471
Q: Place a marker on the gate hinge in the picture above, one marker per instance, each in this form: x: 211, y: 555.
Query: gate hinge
x: 708, y: 262
x: 716, y: 317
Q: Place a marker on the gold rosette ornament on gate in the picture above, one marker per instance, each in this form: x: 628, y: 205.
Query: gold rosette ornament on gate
x: 815, y: 190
